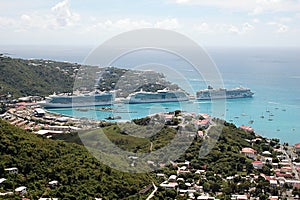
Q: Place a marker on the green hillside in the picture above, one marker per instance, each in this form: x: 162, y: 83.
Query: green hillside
x: 35, y: 77
x: 21, y: 77
x: 80, y: 175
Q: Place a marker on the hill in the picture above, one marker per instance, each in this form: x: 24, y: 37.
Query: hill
x: 224, y: 160
x: 80, y: 175
x: 20, y: 77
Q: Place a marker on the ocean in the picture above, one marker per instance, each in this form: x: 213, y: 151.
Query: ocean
x: 272, y: 73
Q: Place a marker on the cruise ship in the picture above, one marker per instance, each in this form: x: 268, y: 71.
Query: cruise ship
x: 222, y: 93
x: 159, y: 96
x: 78, y: 100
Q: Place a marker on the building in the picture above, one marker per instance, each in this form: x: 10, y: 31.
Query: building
x: 21, y: 190
x: 249, y: 152
x: 2, y: 180
x: 12, y: 170
x: 172, y: 178
x: 53, y: 183
x: 204, y: 124
x: 257, y: 164
x: 273, y: 183
x: 247, y: 129
x: 38, y: 112
x: 297, y: 147
x: 239, y: 197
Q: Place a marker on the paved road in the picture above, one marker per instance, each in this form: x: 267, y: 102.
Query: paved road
x: 152, y: 193
x: 290, y: 161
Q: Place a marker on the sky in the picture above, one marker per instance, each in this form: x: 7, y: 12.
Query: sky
x: 208, y: 22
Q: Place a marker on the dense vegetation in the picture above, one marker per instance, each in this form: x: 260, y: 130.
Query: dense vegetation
x: 222, y: 161
x: 35, y: 77
x: 80, y: 175
x: 20, y: 77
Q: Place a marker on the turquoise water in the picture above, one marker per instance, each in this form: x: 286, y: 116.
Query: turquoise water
x: 272, y: 73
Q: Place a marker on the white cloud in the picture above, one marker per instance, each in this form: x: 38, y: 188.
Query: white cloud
x: 6, y: 22
x: 224, y: 28
x: 250, y: 6
x: 130, y: 24
x: 281, y: 28
x: 257, y: 11
x: 256, y: 20
x: 167, y: 24
x: 63, y: 15
x: 203, y: 28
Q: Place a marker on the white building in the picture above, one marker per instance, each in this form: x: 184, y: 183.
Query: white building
x: 12, y: 170
x: 21, y: 190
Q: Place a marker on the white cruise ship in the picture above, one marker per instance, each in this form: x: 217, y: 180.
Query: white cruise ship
x: 78, y: 100
x: 164, y: 95
x: 221, y: 93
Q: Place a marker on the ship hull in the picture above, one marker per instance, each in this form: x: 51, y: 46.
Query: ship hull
x: 223, y: 97
x: 59, y: 105
x: 138, y: 101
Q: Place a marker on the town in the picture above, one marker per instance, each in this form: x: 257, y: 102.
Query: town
x: 279, y: 166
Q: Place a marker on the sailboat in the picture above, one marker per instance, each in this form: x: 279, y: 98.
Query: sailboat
x: 262, y: 115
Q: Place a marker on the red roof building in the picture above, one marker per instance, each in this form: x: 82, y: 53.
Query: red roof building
x: 249, y: 152
x: 257, y: 164
x: 247, y: 128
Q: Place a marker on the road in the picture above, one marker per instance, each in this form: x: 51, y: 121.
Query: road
x: 294, y: 170
x: 153, y: 192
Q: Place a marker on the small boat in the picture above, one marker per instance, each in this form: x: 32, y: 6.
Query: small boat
x: 283, y: 110
x: 243, y: 114
x: 278, y: 129
x: 113, y: 117
x: 236, y: 117
x: 82, y: 109
x: 251, y: 122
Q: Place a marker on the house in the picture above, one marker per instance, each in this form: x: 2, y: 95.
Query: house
x: 297, y: 147
x: 249, y: 152
x: 204, y: 116
x: 21, y: 190
x: 266, y: 153
x: 53, y: 183
x: 247, y: 129
x: 172, y: 178
x: 12, y: 170
x: 239, y: 197
x: 38, y: 112
x: 205, y: 198
x: 293, y: 183
x: 273, y: 183
x: 257, y: 164
x: 167, y: 185
x: 168, y: 117
x: 202, y: 123
x: 200, y: 134
x: 2, y: 180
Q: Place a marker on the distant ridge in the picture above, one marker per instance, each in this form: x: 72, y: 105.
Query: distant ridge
x: 20, y: 77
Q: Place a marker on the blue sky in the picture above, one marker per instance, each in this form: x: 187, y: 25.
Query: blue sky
x: 209, y: 22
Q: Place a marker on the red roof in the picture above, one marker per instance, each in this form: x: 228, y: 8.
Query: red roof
x: 257, y: 162
x: 297, y: 145
x: 248, y: 150
x: 247, y: 128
